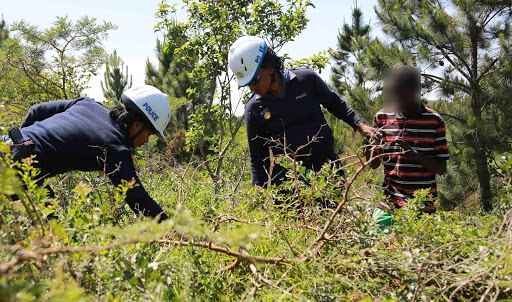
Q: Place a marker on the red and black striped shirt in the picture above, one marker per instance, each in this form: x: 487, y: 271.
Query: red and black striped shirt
x: 425, y: 132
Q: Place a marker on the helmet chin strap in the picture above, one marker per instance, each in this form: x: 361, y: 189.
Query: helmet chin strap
x: 133, y: 137
x: 273, y: 78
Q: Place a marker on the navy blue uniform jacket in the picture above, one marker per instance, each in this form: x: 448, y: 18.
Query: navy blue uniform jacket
x: 67, y: 135
x: 295, y: 118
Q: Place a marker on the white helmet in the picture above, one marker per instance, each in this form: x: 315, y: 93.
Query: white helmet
x: 245, y: 58
x: 152, y: 103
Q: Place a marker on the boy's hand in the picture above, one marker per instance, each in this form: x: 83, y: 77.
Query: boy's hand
x: 372, y: 148
x: 373, y: 142
x: 408, y: 151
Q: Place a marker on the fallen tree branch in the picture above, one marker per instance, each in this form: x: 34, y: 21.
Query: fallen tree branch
x: 238, y: 255
x: 264, y: 280
x: 230, y: 267
x: 22, y: 254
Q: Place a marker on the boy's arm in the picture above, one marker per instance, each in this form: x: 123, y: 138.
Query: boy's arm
x: 433, y: 164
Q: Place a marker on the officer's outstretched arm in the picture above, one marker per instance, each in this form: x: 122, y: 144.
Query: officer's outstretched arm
x: 45, y: 110
x: 331, y: 101
x: 137, y: 198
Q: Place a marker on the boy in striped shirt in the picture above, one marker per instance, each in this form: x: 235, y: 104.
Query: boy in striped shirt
x: 412, y: 142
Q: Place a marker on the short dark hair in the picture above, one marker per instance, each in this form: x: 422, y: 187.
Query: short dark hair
x: 271, y: 59
x: 125, y: 117
x: 405, y: 78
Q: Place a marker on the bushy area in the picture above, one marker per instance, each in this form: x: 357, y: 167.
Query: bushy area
x: 227, y: 241
x: 312, y: 239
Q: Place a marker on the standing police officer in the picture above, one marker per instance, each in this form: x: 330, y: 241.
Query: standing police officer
x: 286, y: 108
x: 72, y: 134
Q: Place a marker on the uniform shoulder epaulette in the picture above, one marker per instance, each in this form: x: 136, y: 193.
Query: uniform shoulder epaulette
x: 300, y: 67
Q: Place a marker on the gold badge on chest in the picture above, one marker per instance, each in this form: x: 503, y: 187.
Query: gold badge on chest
x: 266, y: 113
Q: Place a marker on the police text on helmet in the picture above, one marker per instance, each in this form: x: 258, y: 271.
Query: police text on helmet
x: 148, y: 108
x: 259, y: 58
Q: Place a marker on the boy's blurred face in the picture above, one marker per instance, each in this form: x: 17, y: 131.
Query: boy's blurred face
x: 403, y: 90
x: 404, y: 100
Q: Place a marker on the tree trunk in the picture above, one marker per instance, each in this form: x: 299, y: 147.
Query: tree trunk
x: 484, y: 179
x: 482, y: 167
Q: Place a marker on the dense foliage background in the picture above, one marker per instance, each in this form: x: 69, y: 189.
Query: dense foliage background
x: 227, y: 240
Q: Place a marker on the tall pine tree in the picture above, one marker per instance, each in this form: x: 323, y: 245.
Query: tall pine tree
x: 350, y: 75
x: 172, y: 76
x: 4, y: 31
x: 116, y: 78
x: 464, y: 48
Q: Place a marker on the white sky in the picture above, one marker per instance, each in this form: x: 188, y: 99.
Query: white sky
x: 135, y: 38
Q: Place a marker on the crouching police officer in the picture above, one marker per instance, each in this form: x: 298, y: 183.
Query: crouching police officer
x: 286, y: 110
x: 73, y: 134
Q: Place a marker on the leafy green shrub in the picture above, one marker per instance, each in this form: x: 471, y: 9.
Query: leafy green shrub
x: 229, y: 241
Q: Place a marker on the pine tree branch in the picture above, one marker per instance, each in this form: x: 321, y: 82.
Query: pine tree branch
x: 459, y: 119
x: 440, y: 79
x: 488, y: 19
x: 487, y: 71
x: 34, y: 81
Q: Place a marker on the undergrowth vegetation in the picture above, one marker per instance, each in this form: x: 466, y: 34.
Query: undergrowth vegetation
x: 313, y: 239
x: 229, y: 241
